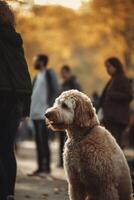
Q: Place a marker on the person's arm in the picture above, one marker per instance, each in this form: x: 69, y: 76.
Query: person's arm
x: 54, y: 82
x: 102, y: 97
x: 34, y: 81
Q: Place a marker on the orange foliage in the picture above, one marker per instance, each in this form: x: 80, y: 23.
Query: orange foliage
x: 81, y: 39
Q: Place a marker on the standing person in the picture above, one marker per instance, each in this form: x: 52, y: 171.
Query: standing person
x: 15, y: 92
x: 95, y: 99
x: 115, y: 99
x: 128, y: 135
x: 69, y: 82
x: 45, y: 90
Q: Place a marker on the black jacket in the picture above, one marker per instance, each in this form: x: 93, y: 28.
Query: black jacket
x: 14, y: 75
x: 116, y: 98
x: 71, y: 83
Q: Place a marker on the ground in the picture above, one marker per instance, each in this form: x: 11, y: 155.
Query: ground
x: 50, y: 187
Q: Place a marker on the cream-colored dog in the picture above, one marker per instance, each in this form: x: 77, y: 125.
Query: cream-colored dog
x: 95, y: 166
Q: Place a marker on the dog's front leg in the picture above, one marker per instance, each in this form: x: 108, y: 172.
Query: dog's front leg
x: 109, y: 193
x: 76, y: 192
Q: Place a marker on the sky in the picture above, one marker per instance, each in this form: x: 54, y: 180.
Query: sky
x: 74, y: 4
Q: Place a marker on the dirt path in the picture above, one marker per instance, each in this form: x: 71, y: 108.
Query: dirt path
x: 52, y: 187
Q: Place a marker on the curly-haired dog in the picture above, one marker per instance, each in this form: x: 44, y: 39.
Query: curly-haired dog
x: 95, y: 166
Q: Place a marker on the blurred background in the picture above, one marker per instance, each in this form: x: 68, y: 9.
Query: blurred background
x: 80, y: 33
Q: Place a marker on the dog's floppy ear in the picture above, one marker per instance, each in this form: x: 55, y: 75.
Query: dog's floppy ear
x: 84, y: 113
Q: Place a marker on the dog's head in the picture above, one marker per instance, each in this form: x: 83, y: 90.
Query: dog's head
x: 71, y: 108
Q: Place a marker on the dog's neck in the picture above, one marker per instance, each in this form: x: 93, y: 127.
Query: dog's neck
x: 78, y: 133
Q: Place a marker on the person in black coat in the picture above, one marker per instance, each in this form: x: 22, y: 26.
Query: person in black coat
x: 128, y: 135
x: 69, y: 82
x: 15, y: 94
x: 128, y: 141
x: 116, y: 98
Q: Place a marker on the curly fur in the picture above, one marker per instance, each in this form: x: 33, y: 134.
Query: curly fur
x: 95, y: 166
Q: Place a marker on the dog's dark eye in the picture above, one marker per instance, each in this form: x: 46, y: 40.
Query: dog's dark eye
x: 64, y: 106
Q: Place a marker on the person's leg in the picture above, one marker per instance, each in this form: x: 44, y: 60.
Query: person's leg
x: 43, y: 152
x: 38, y: 141
x: 8, y: 129
x: 3, y: 182
x: 62, y: 137
x: 8, y: 158
x: 46, y: 155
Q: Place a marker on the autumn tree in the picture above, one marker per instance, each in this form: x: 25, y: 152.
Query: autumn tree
x: 115, y: 21
x: 83, y: 39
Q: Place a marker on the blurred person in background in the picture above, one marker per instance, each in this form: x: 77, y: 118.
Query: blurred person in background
x: 15, y: 94
x: 45, y: 90
x: 95, y: 99
x: 128, y: 141
x: 116, y: 98
x: 128, y: 135
x: 69, y: 82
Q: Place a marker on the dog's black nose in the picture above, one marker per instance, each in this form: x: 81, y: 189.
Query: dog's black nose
x: 48, y: 115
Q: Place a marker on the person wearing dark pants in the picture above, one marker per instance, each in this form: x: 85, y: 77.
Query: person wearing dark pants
x: 15, y: 94
x: 62, y: 138
x: 43, y: 151
x: 45, y: 90
x: 115, y: 99
x: 9, y: 122
x: 69, y: 82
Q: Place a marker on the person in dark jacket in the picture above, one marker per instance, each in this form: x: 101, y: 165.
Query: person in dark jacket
x: 45, y: 90
x: 69, y: 82
x: 15, y: 93
x: 128, y: 141
x: 116, y: 98
x: 128, y: 135
x: 95, y: 99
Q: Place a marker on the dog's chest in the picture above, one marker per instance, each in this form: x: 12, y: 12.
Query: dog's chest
x: 84, y: 161
x: 72, y: 158
x: 75, y: 164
